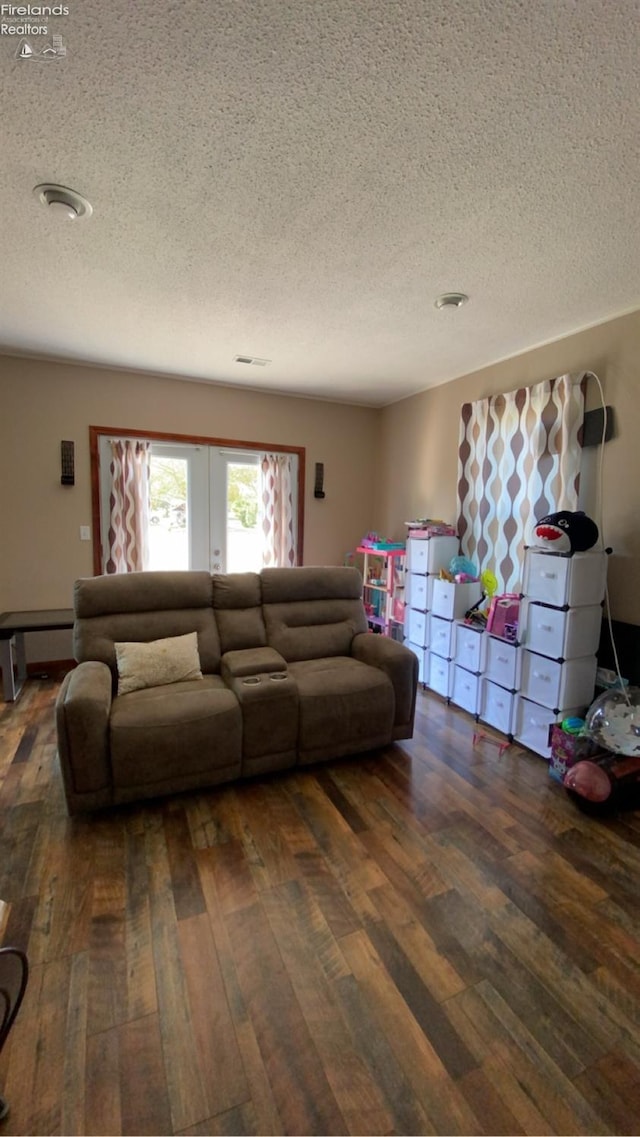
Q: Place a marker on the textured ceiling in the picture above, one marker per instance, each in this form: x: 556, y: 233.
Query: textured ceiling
x: 299, y: 179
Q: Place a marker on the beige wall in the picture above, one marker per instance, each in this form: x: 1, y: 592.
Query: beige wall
x: 419, y: 442
x: 381, y: 467
x: 42, y: 403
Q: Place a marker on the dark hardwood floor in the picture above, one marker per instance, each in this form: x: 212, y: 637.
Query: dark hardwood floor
x: 429, y: 940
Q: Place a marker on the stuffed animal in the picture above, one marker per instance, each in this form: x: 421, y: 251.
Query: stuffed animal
x: 566, y: 532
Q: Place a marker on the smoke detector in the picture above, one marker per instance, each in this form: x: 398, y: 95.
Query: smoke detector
x: 62, y: 201
x: 451, y: 300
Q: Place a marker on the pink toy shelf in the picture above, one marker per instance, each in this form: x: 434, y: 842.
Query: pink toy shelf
x: 383, y: 585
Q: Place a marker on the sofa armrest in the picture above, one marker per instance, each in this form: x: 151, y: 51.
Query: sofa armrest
x: 401, y: 665
x: 250, y: 661
x: 83, y: 708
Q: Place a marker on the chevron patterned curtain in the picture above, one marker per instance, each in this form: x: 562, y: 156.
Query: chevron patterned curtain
x: 128, y: 506
x: 277, y: 519
x: 519, y: 458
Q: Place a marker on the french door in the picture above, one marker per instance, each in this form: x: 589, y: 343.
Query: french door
x: 204, y: 507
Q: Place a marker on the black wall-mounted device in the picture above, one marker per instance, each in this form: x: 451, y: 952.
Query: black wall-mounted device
x: 593, y: 424
x: 67, y: 472
x: 318, y: 490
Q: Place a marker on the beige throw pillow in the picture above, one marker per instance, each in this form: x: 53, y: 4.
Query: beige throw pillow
x: 154, y: 664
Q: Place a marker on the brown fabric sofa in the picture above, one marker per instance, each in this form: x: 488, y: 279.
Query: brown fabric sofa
x: 290, y: 675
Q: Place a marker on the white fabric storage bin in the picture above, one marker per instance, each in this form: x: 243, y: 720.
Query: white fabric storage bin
x: 558, y: 684
x: 420, y: 593
x: 469, y: 647
x: 431, y: 554
x: 496, y: 706
x: 501, y: 663
x: 423, y: 657
x: 440, y: 674
x: 451, y: 600
x: 466, y: 689
x: 531, y: 724
x: 557, y: 580
x: 441, y: 636
x: 562, y: 634
x: 417, y: 630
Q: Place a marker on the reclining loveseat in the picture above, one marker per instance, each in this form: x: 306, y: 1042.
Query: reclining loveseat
x: 186, y: 680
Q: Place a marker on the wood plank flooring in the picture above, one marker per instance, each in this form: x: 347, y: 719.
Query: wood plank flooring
x: 432, y: 940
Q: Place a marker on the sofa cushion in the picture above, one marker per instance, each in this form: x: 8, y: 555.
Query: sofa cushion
x: 344, y: 706
x: 172, y: 660
x: 312, y: 582
x: 312, y: 613
x: 236, y: 590
x: 236, y: 600
x: 112, y: 594
x: 144, y: 606
x: 164, y: 734
x: 241, y: 629
x: 314, y: 629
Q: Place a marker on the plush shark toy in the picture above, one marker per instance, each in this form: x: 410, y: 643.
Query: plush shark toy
x: 566, y: 532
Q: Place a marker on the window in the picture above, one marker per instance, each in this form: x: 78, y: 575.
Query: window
x: 206, y: 501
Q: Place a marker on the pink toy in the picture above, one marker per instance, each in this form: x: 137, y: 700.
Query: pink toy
x: 503, y: 611
x: 589, y: 780
x: 611, y: 783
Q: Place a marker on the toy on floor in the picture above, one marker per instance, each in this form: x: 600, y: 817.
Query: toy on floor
x: 612, y: 721
x: 610, y: 783
x: 566, y: 532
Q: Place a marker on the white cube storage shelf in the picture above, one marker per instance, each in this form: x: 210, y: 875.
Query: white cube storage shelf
x: 465, y: 691
x: 519, y: 689
x: 531, y: 723
x: 558, y: 580
x: 417, y: 627
x: 441, y: 636
x: 452, y: 600
x: 423, y: 660
x: 430, y: 554
x: 502, y: 663
x: 440, y: 672
x: 469, y: 647
x: 560, y: 633
x: 420, y: 591
x: 496, y: 706
x: 555, y: 684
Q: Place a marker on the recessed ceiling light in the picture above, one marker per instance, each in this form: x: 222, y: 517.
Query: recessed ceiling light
x: 62, y: 201
x: 451, y: 300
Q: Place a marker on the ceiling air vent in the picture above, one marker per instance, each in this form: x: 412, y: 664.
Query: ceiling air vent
x: 251, y: 359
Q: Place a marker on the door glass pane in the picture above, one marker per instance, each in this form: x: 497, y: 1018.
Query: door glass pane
x: 168, y: 513
x: 244, y: 550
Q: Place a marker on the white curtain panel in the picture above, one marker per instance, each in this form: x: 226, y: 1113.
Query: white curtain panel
x: 128, y: 541
x: 519, y: 459
x: 276, y: 510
